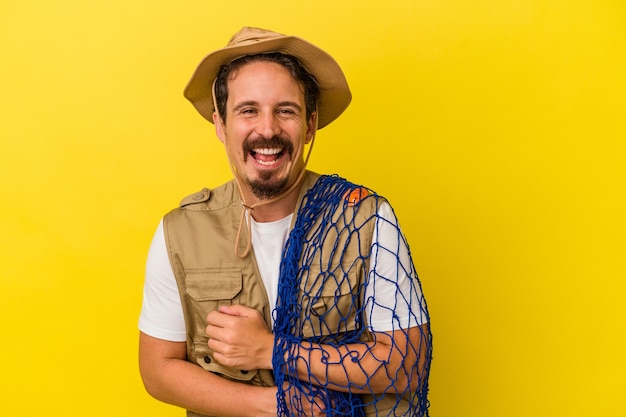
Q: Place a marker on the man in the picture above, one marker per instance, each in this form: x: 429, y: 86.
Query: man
x: 281, y: 292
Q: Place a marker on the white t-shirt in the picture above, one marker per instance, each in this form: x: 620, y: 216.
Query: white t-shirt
x: 393, y: 295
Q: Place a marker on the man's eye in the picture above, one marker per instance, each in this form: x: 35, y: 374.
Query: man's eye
x: 286, y: 111
x: 248, y: 112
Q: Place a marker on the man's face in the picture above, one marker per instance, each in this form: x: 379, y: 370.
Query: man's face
x: 266, y: 127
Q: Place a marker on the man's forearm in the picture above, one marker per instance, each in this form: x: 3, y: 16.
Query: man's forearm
x: 175, y: 381
x: 195, y: 389
x: 389, y: 364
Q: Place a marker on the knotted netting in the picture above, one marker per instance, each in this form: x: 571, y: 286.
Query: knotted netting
x: 350, y: 324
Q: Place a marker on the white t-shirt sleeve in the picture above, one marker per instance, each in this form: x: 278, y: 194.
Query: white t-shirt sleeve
x: 393, y: 296
x: 161, y: 311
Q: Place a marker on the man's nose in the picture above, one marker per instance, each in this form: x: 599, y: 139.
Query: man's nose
x: 268, y: 125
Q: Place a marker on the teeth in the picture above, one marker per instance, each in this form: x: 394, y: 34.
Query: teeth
x: 265, y: 162
x: 266, y: 151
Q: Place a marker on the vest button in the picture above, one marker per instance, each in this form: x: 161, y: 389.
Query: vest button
x: 207, y: 359
x: 245, y: 372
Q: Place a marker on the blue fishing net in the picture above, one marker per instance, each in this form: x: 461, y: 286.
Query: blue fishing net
x: 322, y: 311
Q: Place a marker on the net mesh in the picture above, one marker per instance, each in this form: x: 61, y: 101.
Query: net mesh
x: 330, y: 284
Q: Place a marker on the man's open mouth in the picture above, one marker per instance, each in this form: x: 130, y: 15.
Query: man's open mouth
x: 267, y: 156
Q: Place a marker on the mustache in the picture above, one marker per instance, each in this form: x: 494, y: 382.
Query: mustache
x: 261, y: 142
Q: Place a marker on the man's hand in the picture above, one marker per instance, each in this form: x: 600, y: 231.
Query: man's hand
x: 240, y: 338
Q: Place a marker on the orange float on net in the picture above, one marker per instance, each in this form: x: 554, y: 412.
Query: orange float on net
x: 355, y: 195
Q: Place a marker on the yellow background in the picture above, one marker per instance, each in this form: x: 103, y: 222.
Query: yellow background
x: 496, y: 129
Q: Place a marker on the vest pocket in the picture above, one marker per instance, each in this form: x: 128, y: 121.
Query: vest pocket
x: 332, y: 304
x: 206, y: 290
x: 213, y: 284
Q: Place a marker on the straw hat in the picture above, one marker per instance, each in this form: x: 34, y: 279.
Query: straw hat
x: 334, y: 90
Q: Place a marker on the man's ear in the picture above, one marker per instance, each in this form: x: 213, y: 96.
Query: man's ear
x: 311, y: 127
x: 219, y: 126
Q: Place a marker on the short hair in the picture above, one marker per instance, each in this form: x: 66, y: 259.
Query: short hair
x: 296, y: 69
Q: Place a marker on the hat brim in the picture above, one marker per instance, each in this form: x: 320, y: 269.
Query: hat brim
x: 335, y: 94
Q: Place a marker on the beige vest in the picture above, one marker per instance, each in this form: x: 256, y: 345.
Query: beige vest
x: 200, y: 237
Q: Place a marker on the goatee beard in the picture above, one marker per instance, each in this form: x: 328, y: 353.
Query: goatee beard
x: 265, y: 188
